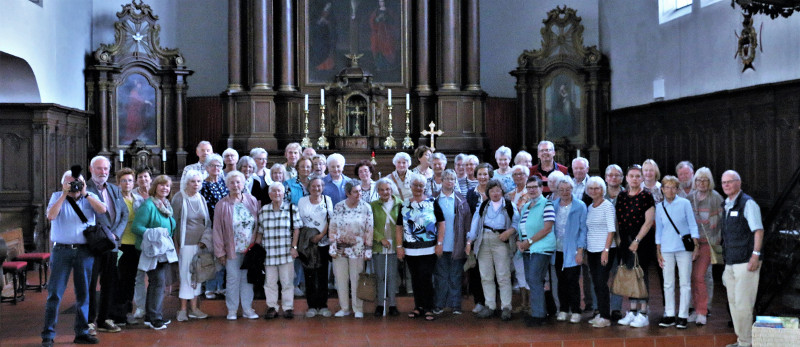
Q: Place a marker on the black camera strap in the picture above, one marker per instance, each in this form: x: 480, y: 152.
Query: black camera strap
x: 670, y: 219
x: 77, y: 209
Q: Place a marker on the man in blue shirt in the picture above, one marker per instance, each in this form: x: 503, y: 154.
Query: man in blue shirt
x: 70, y: 253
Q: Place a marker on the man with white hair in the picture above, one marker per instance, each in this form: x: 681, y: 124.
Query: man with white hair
x: 546, y: 165
x: 580, y: 168
x: 70, y: 254
x: 742, y: 236
x: 105, y: 265
x: 685, y: 171
x: 203, y: 150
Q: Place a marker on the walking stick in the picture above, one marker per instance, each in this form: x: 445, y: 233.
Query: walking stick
x: 385, y: 277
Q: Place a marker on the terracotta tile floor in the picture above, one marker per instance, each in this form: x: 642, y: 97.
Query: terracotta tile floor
x: 21, y: 324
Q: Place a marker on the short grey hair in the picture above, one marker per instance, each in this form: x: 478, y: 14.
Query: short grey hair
x: 553, y: 177
x: 99, y: 157
x: 417, y: 178
x: 561, y: 180
x: 733, y: 173
x: 581, y: 159
x: 614, y: 167
x: 548, y: 143
x: 495, y: 183
x: 524, y: 169
x: 204, y: 142
x: 401, y: 155
x: 293, y: 145
x: 502, y: 151
x: 439, y: 156
x: 258, y: 150
x: 349, y: 185
x: 597, y: 181
x: 335, y: 157
x: 188, y: 175
x: 388, y: 181
x: 460, y: 157
x: 522, y: 155
x: 449, y: 173
x: 684, y: 164
x: 275, y: 186
x: 211, y: 158
x: 230, y: 150
x: 474, y: 158
x: 704, y: 172
x: 68, y: 174
x: 231, y: 175
x: 245, y: 160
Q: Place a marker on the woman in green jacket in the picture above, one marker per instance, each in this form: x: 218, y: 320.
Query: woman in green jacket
x: 384, y: 212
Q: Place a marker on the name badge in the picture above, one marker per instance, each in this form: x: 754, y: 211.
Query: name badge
x: 734, y: 213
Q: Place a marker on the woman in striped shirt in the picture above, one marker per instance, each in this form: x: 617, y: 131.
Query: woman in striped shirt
x: 600, y: 246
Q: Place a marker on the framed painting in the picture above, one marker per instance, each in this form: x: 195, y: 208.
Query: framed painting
x: 136, y: 111
x: 377, y: 29
x: 563, y: 107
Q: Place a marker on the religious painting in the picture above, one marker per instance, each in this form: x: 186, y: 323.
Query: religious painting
x: 373, y: 28
x: 563, y: 108
x: 136, y: 111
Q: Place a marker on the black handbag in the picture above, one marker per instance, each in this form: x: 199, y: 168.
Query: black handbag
x: 688, y: 243
x: 98, y: 238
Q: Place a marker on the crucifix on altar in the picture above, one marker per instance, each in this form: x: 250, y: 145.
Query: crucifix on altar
x: 432, y: 133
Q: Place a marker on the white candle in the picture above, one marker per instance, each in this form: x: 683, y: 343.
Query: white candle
x: 579, y: 153
x: 390, y: 97
x: 408, y: 101
x: 121, y: 155
x: 322, y: 97
x: 163, y: 155
x: 305, y: 107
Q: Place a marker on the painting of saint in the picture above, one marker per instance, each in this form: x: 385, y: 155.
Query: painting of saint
x: 383, y: 38
x: 563, y: 108
x: 136, y: 111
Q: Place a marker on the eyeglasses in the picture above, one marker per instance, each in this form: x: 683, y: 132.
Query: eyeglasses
x: 568, y: 189
x: 126, y: 180
x: 218, y: 166
x: 702, y: 180
x: 518, y: 174
x: 533, y: 187
x: 614, y: 175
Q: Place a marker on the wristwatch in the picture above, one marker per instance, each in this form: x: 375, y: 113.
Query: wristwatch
x: 757, y: 253
x: 294, y: 247
x: 530, y: 241
x: 637, y: 240
x: 439, y: 243
x: 606, y: 250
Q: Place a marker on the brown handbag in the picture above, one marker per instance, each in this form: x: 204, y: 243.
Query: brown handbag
x: 367, y: 286
x: 629, y: 282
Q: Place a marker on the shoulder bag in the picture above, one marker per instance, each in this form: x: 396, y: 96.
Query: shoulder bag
x: 688, y: 243
x: 98, y: 238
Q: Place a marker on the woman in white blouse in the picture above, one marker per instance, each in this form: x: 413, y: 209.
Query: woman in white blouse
x: 600, y: 246
x: 315, y: 211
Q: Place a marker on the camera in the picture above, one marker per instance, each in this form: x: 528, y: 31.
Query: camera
x: 76, y: 186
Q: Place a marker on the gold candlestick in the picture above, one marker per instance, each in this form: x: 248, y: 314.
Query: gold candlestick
x: 322, y: 142
x: 306, y: 143
x: 407, y: 143
x: 389, y: 142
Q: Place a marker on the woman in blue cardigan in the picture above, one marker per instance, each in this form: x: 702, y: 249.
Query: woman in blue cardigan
x: 570, y: 231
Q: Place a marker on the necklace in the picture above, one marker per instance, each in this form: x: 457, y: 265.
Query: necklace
x: 191, y: 200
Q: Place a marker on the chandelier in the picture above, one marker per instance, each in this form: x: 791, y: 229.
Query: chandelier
x: 772, y: 8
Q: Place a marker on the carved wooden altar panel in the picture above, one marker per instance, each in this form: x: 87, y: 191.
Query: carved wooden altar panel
x: 562, y: 91
x: 137, y: 91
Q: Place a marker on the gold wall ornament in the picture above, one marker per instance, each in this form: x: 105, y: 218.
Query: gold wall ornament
x: 432, y: 133
x: 747, y: 43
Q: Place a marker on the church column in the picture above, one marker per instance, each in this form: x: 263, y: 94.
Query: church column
x: 234, y: 46
x: 473, y: 52
x: 423, y: 44
x: 450, y: 44
x: 286, y: 47
x: 262, y: 59
x: 180, y: 104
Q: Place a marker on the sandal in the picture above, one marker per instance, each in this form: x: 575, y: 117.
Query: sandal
x: 414, y: 314
x: 429, y: 316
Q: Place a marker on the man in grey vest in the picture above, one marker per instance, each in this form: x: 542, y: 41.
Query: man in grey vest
x: 742, y: 233
x: 105, y: 265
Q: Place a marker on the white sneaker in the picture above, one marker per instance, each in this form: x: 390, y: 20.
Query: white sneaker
x: 342, y: 313
x: 562, y: 316
x: 231, y: 315
x: 250, y: 314
x: 692, y: 317
x: 601, y: 322
x: 139, y: 314
x: 701, y: 320
x: 359, y: 314
x: 478, y: 308
x: 325, y: 312
x: 593, y: 320
x: 311, y: 313
x: 640, y: 321
x: 575, y: 318
x: 627, y: 319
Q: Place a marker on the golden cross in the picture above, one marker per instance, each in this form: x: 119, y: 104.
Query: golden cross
x: 432, y: 133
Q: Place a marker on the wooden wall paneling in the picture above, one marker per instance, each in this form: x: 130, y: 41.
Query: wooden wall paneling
x: 204, y: 121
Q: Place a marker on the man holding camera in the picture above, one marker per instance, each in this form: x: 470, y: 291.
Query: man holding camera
x: 105, y: 265
x: 70, y: 253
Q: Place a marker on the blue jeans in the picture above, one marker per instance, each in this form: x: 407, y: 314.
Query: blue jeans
x: 216, y: 283
x: 536, y: 265
x: 447, y: 278
x: 155, y: 292
x: 62, y: 261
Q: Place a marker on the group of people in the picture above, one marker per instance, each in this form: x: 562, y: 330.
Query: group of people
x: 504, y: 228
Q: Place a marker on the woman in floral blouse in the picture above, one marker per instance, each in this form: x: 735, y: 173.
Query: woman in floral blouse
x: 234, y: 232
x: 351, y: 243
